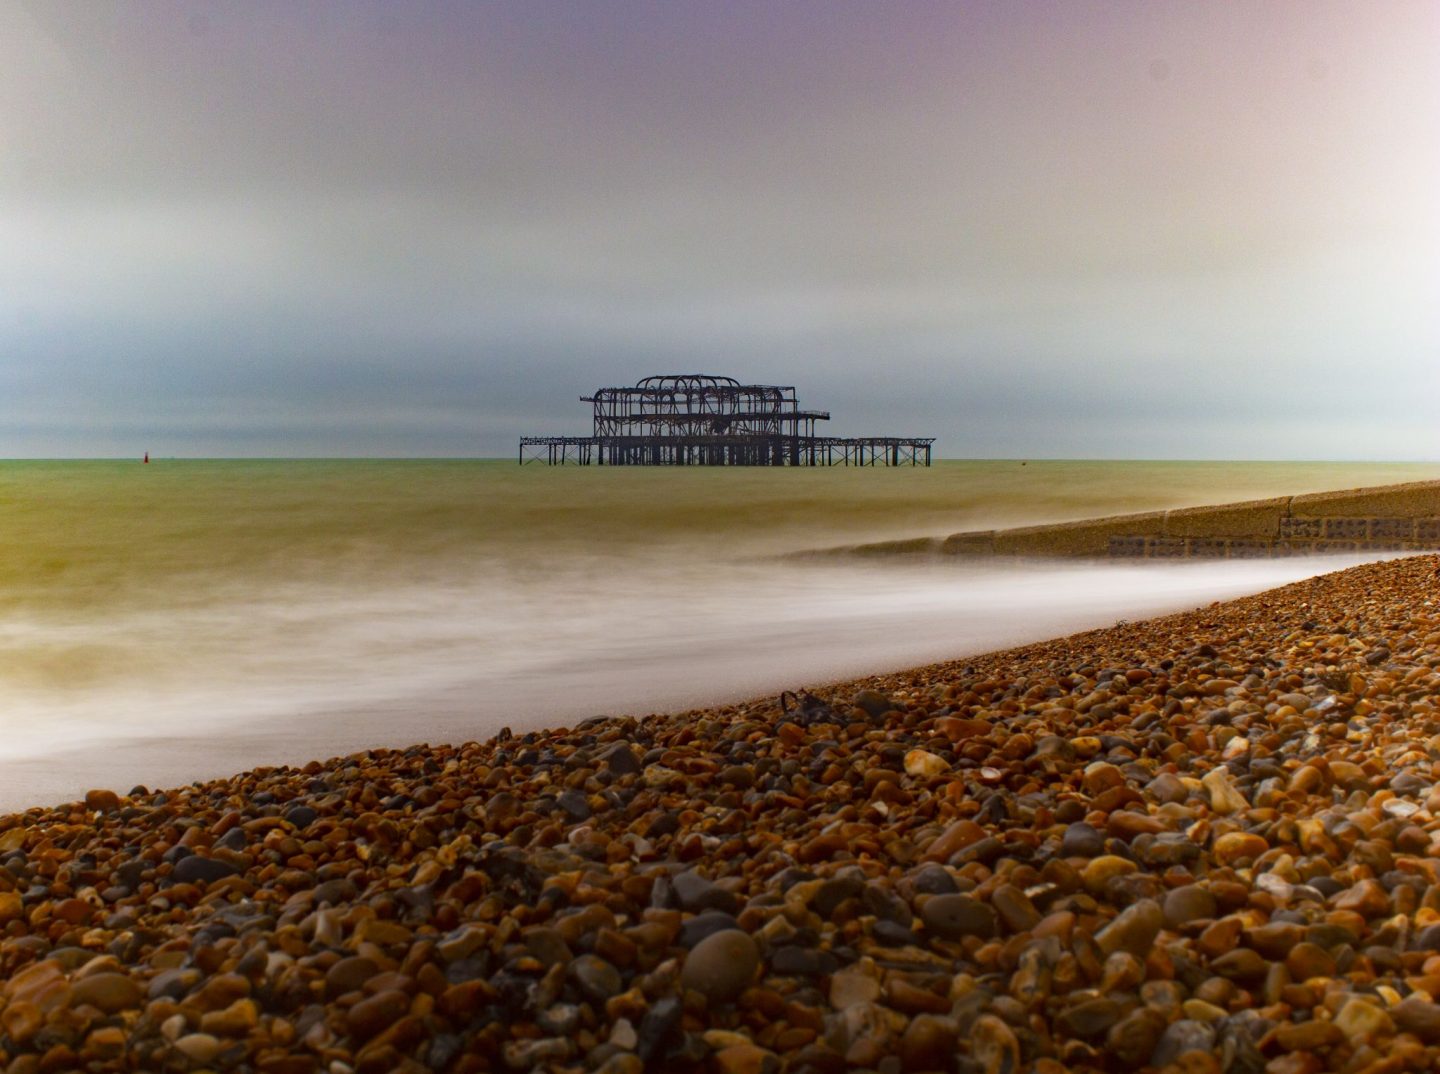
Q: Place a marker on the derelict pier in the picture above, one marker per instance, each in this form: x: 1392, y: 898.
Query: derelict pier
x: 700, y: 420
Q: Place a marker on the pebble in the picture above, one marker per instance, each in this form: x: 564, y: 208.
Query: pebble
x: 1224, y: 798
x: 1091, y: 1018
x: 928, y: 1042
x: 349, y: 975
x: 1363, y: 1021
x: 597, y: 979
x: 12, y: 907
x: 922, y: 764
x: 377, y: 1012
x: 704, y: 925
x: 560, y: 1019
x: 953, y: 917
x: 202, y: 870
x: 745, y: 1059
x: 1167, y: 788
x: 994, y: 1047
x: 1188, y: 903
x: 1200, y: 845
x: 108, y: 992
x: 102, y: 801
x: 1234, y: 848
x: 1307, y: 1036
x: 1100, y: 872
x: 1101, y: 776
x: 721, y: 965
x: 621, y: 760
x: 696, y: 893
x: 623, y: 1063
x: 794, y: 961
x: 1418, y: 1016
x: 959, y: 835
x: 199, y: 1047
x: 855, y: 984
x: 874, y: 703
x: 1132, y: 1040
x: 1134, y: 930
x: 623, y: 1035
x: 1082, y: 840
x: 1185, y: 1035
x: 237, y: 1019
x: 1014, y: 908
x: 1308, y: 960
x: 658, y: 1028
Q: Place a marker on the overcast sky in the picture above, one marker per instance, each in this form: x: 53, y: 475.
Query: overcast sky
x: 1070, y: 229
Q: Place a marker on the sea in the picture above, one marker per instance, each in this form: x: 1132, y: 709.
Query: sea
x: 182, y: 619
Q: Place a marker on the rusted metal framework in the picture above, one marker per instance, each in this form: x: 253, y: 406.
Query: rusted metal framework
x: 698, y: 420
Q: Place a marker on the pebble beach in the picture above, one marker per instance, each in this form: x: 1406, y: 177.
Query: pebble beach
x: 1204, y: 843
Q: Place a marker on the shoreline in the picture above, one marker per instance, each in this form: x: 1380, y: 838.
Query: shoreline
x: 825, y: 626
x: 1210, y: 832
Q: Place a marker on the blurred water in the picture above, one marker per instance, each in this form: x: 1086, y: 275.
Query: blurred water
x: 186, y: 618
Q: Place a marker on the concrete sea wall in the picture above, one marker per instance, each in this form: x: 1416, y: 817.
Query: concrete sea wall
x: 1385, y: 518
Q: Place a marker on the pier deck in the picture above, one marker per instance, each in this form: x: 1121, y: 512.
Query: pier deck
x: 718, y: 451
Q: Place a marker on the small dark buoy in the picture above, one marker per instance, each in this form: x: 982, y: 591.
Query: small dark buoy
x: 146, y: 458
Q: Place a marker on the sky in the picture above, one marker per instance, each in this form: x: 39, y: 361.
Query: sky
x: 1029, y: 229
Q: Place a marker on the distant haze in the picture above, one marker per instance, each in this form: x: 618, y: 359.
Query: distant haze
x: 1068, y: 229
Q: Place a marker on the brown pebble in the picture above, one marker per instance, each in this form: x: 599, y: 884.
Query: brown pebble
x: 745, y: 1059
x: 102, y: 801
x: 954, y: 917
x: 1101, y: 776
x: 12, y: 907
x: 199, y: 1047
x: 1418, y: 1016
x: 722, y: 965
x: 1134, y: 930
x: 377, y: 1012
x: 1243, y: 964
x: 1099, y: 872
x: 993, y: 1046
x: 615, y: 948
x: 1235, y: 847
x: 1307, y: 1036
x: 109, y: 992
x: 928, y: 1042
x: 21, y: 1020
x: 1186, y: 904
x: 1133, y: 1038
x: 349, y: 975
x: 1275, y: 939
x: 1014, y: 908
x: 235, y: 1020
x: 1220, y: 936
x: 912, y: 999
x: 1362, y: 1021
x: 1306, y: 960
x: 1366, y: 898
x: 959, y: 835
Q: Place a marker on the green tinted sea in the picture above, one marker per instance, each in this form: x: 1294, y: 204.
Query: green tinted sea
x: 164, y: 621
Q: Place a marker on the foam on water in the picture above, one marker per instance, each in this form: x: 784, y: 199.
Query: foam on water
x: 159, y: 627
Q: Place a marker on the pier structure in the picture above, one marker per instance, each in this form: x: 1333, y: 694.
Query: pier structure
x: 696, y: 419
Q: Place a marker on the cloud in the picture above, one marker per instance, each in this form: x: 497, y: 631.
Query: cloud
x: 384, y: 213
